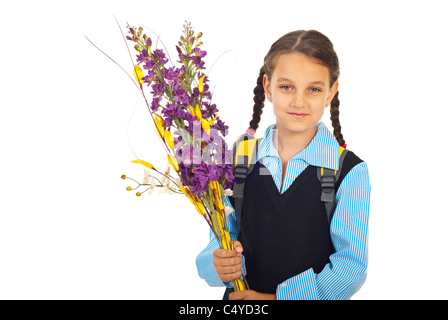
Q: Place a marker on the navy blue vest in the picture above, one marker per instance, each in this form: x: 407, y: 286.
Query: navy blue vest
x: 285, y: 234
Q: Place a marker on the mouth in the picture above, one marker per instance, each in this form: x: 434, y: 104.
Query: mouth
x: 297, y: 115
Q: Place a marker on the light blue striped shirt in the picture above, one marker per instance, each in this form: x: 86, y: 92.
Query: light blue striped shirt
x: 347, y: 269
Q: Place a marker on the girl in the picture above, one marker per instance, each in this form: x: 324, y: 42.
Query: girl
x: 286, y: 246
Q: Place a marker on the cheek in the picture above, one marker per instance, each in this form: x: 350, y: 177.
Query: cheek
x: 318, y: 103
x: 280, y: 105
x: 281, y: 100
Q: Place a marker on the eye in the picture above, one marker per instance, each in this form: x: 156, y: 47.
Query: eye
x: 314, y: 90
x: 286, y: 87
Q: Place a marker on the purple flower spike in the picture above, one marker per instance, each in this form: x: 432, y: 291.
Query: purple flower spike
x: 202, y: 154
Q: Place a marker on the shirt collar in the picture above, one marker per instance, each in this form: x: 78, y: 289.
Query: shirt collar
x: 322, y: 151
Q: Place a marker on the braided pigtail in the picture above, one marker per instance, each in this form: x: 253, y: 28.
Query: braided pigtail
x: 334, y: 116
x: 258, y: 102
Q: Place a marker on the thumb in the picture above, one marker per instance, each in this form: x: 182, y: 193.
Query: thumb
x: 238, y: 247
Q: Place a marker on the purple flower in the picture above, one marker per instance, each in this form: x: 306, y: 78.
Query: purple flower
x: 158, y: 88
x: 170, y: 73
x: 210, y: 110
x: 155, y: 103
x: 150, y: 77
x: 143, y: 56
x: 159, y: 56
x: 219, y: 125
x: 150, y: 64
x: 199, y: 53
x: 172, y: 111
x: 207, y: 158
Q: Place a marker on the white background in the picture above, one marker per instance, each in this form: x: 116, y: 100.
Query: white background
x: 70, y: 230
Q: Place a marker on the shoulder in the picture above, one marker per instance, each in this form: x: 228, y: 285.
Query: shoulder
x: 353, y: 167
x: 350, y: 161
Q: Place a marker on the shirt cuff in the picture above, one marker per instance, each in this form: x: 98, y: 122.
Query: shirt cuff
x: 300, y: 287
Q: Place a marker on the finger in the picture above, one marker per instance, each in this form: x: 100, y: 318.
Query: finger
x: 238, y: 247
x: 237, y: 295
x: 223, y: 253
x: 227, y: 262
x: 229, y: 277
x: 229, y: 270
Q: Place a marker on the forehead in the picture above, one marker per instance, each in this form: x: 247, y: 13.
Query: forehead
x: 301, y: 68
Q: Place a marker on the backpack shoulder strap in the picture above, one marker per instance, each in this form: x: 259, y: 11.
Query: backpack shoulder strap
x: 244, y: 159
x: 328, y: 178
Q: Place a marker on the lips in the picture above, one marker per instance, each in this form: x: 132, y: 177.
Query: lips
x: 297, y: 115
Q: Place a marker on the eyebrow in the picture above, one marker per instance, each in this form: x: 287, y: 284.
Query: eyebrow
x: 311, y: 83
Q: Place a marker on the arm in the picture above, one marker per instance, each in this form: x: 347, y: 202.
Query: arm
x: 346, y: 272
x: 204, y: 261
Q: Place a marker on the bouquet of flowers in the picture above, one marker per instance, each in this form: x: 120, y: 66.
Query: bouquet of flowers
x: 189, y: 127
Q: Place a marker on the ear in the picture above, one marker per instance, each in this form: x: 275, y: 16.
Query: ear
x: 267, y: 87
x: 332, y: 92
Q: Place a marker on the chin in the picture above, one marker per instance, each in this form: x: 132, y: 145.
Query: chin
x: 297, y: 127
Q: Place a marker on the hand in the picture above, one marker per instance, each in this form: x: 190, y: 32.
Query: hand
x: 251, y: 295
x: 228, y: 263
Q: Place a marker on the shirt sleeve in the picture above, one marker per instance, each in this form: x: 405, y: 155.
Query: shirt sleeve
x: 204, y: 260
x: 346, y: 272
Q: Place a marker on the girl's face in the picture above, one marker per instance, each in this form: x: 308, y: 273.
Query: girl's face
x: 299, y: 90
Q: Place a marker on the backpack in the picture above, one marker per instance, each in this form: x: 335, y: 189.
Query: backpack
x: 244, y: 158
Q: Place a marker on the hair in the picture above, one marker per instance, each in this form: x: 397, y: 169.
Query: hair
x: 314, y: 45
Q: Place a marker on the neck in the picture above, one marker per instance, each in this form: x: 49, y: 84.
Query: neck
x: 289, y: 143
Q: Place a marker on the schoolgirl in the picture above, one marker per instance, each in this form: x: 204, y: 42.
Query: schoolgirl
x: 285, y: 245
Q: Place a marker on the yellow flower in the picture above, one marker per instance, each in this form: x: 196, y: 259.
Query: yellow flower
x: 198, y: 112
x: 192, y: 110
x: 143, y: 162
x: 169, y: 138
x: 210, y: 122
x: 159, y: 117
x: 205, y: 124
x: 201, y: 84
x: 160, y: 128
x: 138, y: 73
x: 173, y: 161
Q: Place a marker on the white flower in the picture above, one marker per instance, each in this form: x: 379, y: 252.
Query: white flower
x: 178, y: 182
x: 147, y: 178
x: 150, y: 190
x: 228, y: 192
x: 228, y: 210
x: 169, y: 191
x: 166, y: 189
x: 166, y: 173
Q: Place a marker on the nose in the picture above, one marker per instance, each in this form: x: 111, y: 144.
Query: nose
x: 298, y: 99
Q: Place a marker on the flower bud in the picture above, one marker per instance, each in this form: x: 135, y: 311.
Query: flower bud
x: 129, y: 188
x: 123, y: 176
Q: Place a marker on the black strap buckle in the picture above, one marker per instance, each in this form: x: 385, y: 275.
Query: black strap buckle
x: 327, y: 184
